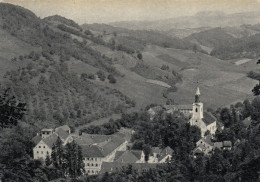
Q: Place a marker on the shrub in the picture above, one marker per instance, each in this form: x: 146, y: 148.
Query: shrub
x: 111, y: 79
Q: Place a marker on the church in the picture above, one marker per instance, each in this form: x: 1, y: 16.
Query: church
x: 203, y: 120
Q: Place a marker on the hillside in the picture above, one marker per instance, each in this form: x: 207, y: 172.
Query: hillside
x: 75, y: 75
x: 245, y: 47
x: 211, y: 38
x: 42, y: 76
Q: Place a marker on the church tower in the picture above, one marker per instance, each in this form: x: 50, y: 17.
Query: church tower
x: 197, y: 109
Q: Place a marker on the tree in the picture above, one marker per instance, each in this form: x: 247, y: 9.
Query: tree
x: 111, y: 79
x: 48, y: 161
x: 139, y: 55
x: 10, y: 110
x: 225, y: 116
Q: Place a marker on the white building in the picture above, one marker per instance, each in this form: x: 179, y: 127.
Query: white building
x: 204, y: 120
x: 97, y: 149
x: 44, y: 141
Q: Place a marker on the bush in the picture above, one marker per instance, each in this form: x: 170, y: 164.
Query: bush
x: 111, y: 79
x: 101, y: 75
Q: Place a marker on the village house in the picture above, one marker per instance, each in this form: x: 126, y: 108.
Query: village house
x: 204, y: 146
x: 225, y: 145
x: 45, y: 140
x: 159, y: 155
x: 97, y: 149
x: 185, y: 109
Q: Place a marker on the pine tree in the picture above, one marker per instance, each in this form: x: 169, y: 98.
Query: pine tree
x: 80, y: 163
x: 54, y: 156
x: 48, y: 161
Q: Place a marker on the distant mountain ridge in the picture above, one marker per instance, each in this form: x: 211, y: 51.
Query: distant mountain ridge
x: 202, y: 19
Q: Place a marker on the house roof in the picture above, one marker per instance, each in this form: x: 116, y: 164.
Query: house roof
x: 178, y: 107
x: 207, y: 139
x: 47, y: 129
x: 64, y: 127
x: 197, y: 150
x: 101, y: 149
x: 50, y: 140
x: 36, y: 139
x: 114, y: 166
x: 91, y: 151
x: 62, y: 134
x: 218, y: 145
x: 227, y: 144
x: 137, y: 153
x: 209, y: 118
x: 127, y: 156
x: 201, y: 146
x: 184, y: 107
x: 166, y: 151
x: 83, y: 140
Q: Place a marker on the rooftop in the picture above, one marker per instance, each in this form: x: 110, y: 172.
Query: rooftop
x: 101, y: 149
x: 64, y: 127
x: 209, y: 118
x: 50, y: 140
x: 129, y: 156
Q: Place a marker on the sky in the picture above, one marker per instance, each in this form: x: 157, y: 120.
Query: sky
x: 105, y: 11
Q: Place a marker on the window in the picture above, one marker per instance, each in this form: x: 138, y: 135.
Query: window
x: 92, y: 171
x: 39, y: 146
x: 88, y: 159
x: 42, y: 152
x: 92, y: 164
x: 88, y: 164
x: 96, y: 165
x: 37, y: 152
x: 196, y: 109
x: 43, y: 146
x: 47, y: 152
x: 88, y: 171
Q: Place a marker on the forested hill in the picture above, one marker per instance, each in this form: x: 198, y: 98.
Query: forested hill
x: 70, y: 74
x: 41, y: 71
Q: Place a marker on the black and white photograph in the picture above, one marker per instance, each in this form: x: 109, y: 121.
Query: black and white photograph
x: 129, y: 90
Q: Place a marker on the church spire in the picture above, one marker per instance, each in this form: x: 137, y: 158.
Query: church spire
x: 197, y: 95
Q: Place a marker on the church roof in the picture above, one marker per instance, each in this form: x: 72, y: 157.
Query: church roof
x: 209, y: 118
